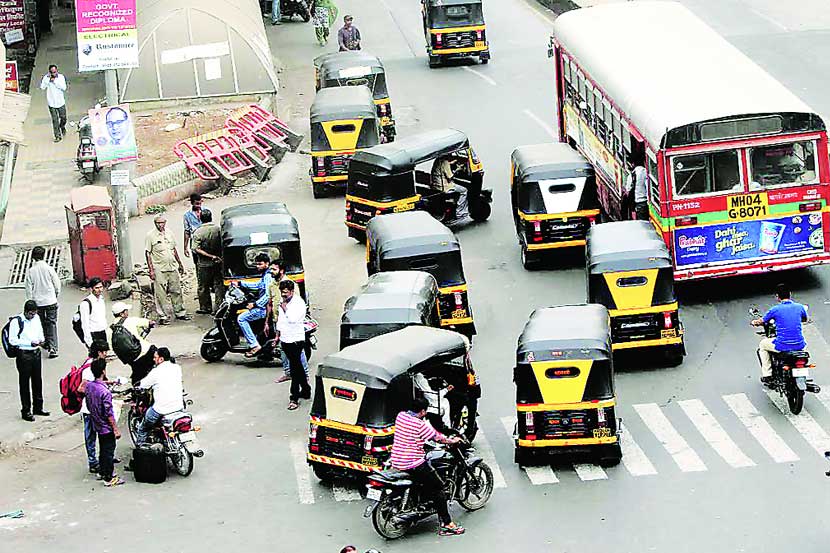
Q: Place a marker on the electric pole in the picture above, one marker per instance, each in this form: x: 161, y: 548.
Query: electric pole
x: 119, y: 194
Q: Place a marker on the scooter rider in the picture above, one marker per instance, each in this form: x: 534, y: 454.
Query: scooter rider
x: 411, y: 431
x: 256, y: 309
x: 168, y: 392
x: 139, y: 360
x: 788, y: 316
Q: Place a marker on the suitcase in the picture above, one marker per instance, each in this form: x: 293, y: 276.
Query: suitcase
x: 149, y: 465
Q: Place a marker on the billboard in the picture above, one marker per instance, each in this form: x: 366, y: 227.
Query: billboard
x: 12, y: 21
x: 745, y: 240
x: 107, y: 36
x: 12, y: 79
x: 113, y: 134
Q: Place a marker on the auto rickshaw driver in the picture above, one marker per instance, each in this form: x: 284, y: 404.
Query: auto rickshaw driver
x: 445, y: 169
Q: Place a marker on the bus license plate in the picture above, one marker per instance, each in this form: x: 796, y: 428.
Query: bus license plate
x: 373, y: 494
x: 670, y: 333
x: 747, y: 206
x: 404, y: 207
x: 602, y: 432
x: 459, y: 314
x: 369, y: 461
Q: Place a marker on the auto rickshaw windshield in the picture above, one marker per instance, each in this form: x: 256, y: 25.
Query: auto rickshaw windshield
x: 445, y: 267
x: 600, y: 384
x: 382, y: 189
x: 446, y: 17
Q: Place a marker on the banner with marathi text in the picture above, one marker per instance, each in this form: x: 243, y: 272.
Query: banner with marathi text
x: 107, y: 35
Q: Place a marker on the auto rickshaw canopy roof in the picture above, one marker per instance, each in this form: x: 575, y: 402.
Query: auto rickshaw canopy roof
x: 405, y: 153
x: 334, y: 62
x: 439, y: 3
x: 375, y: 362
x: 583, y: 329
x: 344, y: 102
x: 554, y: 160
x: 258, y: 224
x: 625, y: 246
x: 408, y: 234
x: 386, y: 308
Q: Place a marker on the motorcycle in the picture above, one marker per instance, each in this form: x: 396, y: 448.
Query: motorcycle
x: 86, y: 157
x: 290, y: 8
x: 226, y: 336
x: 790, y: 370
x: 396, y: 502
x: 175, y: 432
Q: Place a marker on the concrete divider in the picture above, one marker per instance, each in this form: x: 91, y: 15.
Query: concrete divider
x: 165, y: 186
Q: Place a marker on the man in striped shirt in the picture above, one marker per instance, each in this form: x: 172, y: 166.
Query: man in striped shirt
x: 411, y: 432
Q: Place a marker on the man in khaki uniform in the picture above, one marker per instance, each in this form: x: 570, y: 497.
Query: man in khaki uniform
x: 207, y: 245
x: 165, y: 270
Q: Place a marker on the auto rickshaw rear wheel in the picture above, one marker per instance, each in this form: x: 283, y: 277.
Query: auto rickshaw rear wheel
x: 318, y: 190
x: 523, y: 457
x: 674, y: 355
x: 480, y: 211
x: 434, y: 61
x: 611, y: 456
x: 530, y: 260
x: 322, y: 472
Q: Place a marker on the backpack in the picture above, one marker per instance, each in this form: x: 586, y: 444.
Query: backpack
x: 76, y: 320
x: 70, y: 397
x: 125, y: 344
x: 11, y: 351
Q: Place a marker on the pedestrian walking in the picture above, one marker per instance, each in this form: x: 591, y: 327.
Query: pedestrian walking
x: 26, y: 333
x: 324, y: 13
x: 348, y: 37
x: 55, y: 86
x: 43, y: 287
x: 192, y: 221
x: 99, y: 403
x: 93, y: 314
x: 276, y: 14
x: 98, y: 350
x: 207, y: 249
x: 291, y: 330
x: 165, y: 270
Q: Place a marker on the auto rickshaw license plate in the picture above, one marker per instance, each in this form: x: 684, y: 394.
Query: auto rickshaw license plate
x: 369, y: 461
x: 404, y: 207
x: 459, y: 313
x: 479, y: 44
x: 670, y: 333
x: 602, y: 432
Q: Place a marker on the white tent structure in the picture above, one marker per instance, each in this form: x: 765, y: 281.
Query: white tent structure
x: 206, y: 49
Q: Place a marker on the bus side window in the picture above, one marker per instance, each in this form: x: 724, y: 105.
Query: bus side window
x: 580, y: 87
x: 617, y: 135
x: 589, y: 99
x: 566, y: 84
x: 599, y: 115
x: 653, y: 180
x: 609, y: 125
x: 626, y: 140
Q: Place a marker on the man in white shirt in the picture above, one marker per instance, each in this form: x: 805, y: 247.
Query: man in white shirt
x: 638, y: 186
x: 26, y: 333
x: 43, y: 286
x: 168, y: 391
x: 291, y: 333
x: 98, y: 350
x: 55, y: 86
x: 93, y: 311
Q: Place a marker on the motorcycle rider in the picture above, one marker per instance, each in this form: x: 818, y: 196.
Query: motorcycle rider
x: 411, y: 431
x: 256, y: 309
x: 788, y: 316
x: 168, y: 392
x: 138, y: 327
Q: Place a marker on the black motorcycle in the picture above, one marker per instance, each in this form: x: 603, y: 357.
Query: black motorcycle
x: 86, y: 157
x: 397, y: 503
x: 790, y: 370
x: 290, y: 8
x: 226, y: 336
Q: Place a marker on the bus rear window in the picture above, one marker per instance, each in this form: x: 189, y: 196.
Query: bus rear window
x: 708, y: 173
x: 783, y: 164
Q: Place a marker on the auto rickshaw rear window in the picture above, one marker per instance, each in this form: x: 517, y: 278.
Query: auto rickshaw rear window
x: 452, y: 16
x: 625, y: 282
x: 562, y: 187
x: 446, y: 267
x: 273, y: 252
x: 342, y: 128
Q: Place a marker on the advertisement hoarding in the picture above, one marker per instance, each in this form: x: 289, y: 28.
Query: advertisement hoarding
x: 107, y: 36
x: 12, y: 79
x: 113, y: 134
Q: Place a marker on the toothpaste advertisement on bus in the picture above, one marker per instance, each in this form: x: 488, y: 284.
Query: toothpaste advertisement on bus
x: 745, y: 240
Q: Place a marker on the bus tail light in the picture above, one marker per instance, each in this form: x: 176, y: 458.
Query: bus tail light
x: 667, y: 322
x: 685, y: 221
x: 809, y: 206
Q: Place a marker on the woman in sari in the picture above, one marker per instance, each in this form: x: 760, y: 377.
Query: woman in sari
x: 324, y: 13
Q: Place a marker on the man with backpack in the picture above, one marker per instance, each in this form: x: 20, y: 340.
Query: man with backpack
x: 25, y: 337
x: 43, y: 286
x: 90, y: 322
x: 128, y: 341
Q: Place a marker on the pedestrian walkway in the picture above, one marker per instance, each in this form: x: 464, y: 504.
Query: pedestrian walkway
x: 45, y: 171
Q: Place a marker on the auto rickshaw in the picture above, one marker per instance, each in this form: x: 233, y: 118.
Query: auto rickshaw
x: 343, y: 120
x: 454, y: 28
x: 360, y: 390
x: 414, y: 241
x: 386, y: 179
x: 553, y: 197
x: 358, y: 68
x: 387, y: 302
x: 564, y: 378
x: 630, y: 272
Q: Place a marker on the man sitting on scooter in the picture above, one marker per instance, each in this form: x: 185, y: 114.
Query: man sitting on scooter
x: 788, y: 316
x: 168, y: 392
x: 256, y: 309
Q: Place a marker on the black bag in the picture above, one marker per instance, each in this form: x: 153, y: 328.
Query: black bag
x: 11, y: 351
x: 125, y: 344
x: 77, y: 327
x: 149, y: 465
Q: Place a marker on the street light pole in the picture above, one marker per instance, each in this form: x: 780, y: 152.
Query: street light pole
x: 119, y: 194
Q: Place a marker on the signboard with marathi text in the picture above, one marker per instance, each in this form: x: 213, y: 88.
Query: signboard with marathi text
x: 107, y: 35
x: 12, y: 79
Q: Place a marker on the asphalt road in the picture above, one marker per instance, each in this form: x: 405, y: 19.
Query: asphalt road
x: 715, y: 467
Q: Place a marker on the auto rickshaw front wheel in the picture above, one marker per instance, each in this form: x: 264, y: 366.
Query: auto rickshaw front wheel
x: 213, y: 351
x: 480, y: 211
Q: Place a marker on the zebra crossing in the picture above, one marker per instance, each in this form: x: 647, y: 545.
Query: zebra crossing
x: 657, y: 440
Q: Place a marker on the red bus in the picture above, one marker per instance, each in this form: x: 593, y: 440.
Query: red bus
x: 737, y: 165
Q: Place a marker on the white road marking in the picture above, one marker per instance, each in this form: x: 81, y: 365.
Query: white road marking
x: 804, y: 422
x: 760, y: 428
x: 302, y: 471
x: 684, y: 456
x: 713, y: 432
x: 633, y: 457
x: 539, y: 121
x: 480, y: 75
x: 541, y: 475
x: 824, y: 397
x: 588, y: 472
x: 345, y: 493
x: 816, y: 344
x: 768, y: 19
x: 482, y: 446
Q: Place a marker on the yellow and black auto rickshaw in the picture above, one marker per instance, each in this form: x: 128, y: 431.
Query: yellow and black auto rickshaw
x: 387, y: 179
x: 343, y: 120
x: 454, y: 28
x: 553, y: 197
x: 389, y: 301
x: 415, y: 241
x: 630, y: 272
x: 358, y: 68
x: 360, y: 390
x: 564, y: 378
